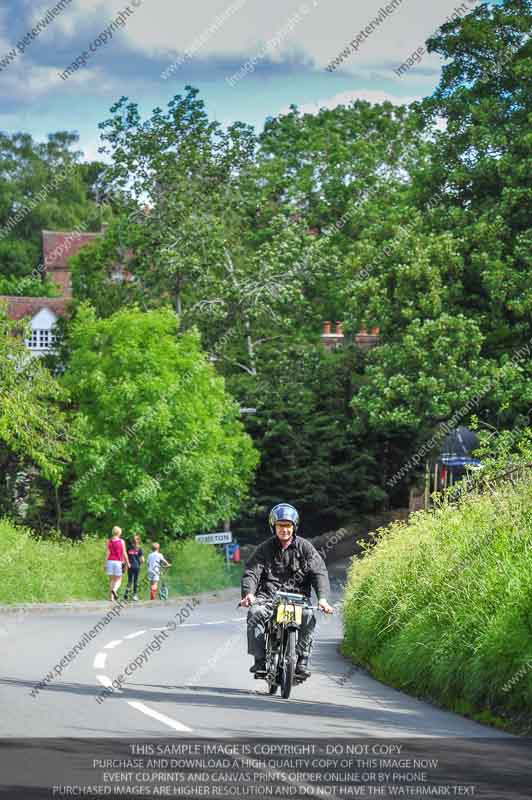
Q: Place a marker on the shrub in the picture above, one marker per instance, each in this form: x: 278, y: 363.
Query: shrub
x: 51, y: 570
x: 200, y: 567
x: 442, y: 605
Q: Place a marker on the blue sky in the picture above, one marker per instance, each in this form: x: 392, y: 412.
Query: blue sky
x: 292, y: 41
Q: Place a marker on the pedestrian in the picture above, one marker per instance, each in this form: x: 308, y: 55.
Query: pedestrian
x: 155, y: 559
x: 136, y: 559
x: 116, y: 557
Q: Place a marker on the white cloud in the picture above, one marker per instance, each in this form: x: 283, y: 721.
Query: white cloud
x: 32, y: 81
x: 166, y: 28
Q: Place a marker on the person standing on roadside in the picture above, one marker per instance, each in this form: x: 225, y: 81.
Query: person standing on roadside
x: 136, y: 559
x: 155, y: 559
x: 116, y: 556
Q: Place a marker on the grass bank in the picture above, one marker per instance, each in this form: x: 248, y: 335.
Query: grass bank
x: 441, y: 606
x: 57, y: 570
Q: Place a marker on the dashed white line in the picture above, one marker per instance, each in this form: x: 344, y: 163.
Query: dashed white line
x: 113, y: 644
x: 172, y: 723
x: 134, y: 635
x: 99, y: 661
x: 190, y: 625
x: 108, y: 683
x: 218, y: 622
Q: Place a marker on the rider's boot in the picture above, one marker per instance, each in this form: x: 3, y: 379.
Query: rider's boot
x: 259, y: 667
x: 302, y: 669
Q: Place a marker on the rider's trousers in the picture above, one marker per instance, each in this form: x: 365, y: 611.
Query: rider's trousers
x: 258, y: 616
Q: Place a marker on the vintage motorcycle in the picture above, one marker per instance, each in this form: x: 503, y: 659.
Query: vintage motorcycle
x: 281, y: 640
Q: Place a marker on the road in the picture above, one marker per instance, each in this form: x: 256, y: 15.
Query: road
x: 196, y: 684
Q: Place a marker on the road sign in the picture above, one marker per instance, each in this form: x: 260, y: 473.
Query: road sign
x: 222, y: 537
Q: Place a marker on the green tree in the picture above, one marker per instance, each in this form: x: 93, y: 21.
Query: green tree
x: 201, y: 237
x: 33, y: 428
x: 43, y: 186
x: 303, y: 428
x: 442, y: 264
x: 158, y: 442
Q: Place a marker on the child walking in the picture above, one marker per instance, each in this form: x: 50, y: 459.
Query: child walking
x: 155, y: 559
x: 136, y: 559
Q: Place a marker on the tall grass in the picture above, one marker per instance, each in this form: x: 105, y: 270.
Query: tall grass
x: 200, y: 567
x: 52, y: 570
x: 58, y: 570
x: 442, y: 605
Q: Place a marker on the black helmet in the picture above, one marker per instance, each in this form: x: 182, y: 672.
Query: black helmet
x: 283, y: 511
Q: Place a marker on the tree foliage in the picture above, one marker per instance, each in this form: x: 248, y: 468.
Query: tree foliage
x: 43, y: 186
x: 33, y: 427
x: 158, y: 442
x: 413, y: 219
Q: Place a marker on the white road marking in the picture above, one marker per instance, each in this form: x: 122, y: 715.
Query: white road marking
x: 108, y: 683
x: 165, y: 628
x: 134, y: 635
x: 99, y: 661
x: 172, y: 723
x: 218, y: 622
x: 112, y: 644
x: 237, y: 619
x: 190, y: 625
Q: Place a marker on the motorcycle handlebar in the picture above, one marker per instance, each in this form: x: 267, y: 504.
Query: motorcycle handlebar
x: 270, y: 603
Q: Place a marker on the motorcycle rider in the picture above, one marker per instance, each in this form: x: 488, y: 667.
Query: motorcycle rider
x: 284, y: 562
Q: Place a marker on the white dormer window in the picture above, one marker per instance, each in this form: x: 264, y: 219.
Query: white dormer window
x: 42, y: 337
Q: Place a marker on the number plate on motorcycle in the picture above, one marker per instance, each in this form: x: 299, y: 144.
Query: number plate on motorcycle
x: 287, y: 612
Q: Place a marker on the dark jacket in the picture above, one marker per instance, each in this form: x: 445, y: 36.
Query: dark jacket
x: 299, y: 568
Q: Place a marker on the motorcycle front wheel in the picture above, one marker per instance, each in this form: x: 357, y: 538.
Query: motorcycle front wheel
x: 272, y: 660
x: 289, y: 664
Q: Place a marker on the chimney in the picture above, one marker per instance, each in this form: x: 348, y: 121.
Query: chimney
x: 365, y: 340
x: 332, y: 340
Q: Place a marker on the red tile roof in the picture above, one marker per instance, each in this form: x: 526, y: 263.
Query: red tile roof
x: 20, y: 307
x: 59, y: 246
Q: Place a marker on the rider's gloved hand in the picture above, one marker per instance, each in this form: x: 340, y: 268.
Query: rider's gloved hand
x: 324, y: 605
x: 247, y: 600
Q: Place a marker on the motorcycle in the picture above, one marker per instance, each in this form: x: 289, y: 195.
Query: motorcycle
x: 281, y: 639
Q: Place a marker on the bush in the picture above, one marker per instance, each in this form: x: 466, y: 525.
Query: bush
x: 199, y: 567
x: 51, y: 570
x: 442, y: 605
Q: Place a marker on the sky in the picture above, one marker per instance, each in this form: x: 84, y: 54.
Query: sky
x: 250, y: 59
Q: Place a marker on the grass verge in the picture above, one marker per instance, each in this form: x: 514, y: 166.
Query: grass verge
x: 57, y: 570
x: 441, y: 606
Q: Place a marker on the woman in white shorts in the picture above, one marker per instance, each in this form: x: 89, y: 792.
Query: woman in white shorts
x: 116, y: 556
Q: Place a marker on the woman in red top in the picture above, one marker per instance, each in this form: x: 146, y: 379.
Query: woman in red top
x: 116, y: 555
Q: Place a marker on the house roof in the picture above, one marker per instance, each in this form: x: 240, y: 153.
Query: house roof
x: 20, y: 307
x: 59, y: 246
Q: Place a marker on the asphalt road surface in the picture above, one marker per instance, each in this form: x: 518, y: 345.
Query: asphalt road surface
x: 197, y: 683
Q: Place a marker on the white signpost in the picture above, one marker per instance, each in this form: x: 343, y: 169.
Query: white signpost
x: 222, y: 537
